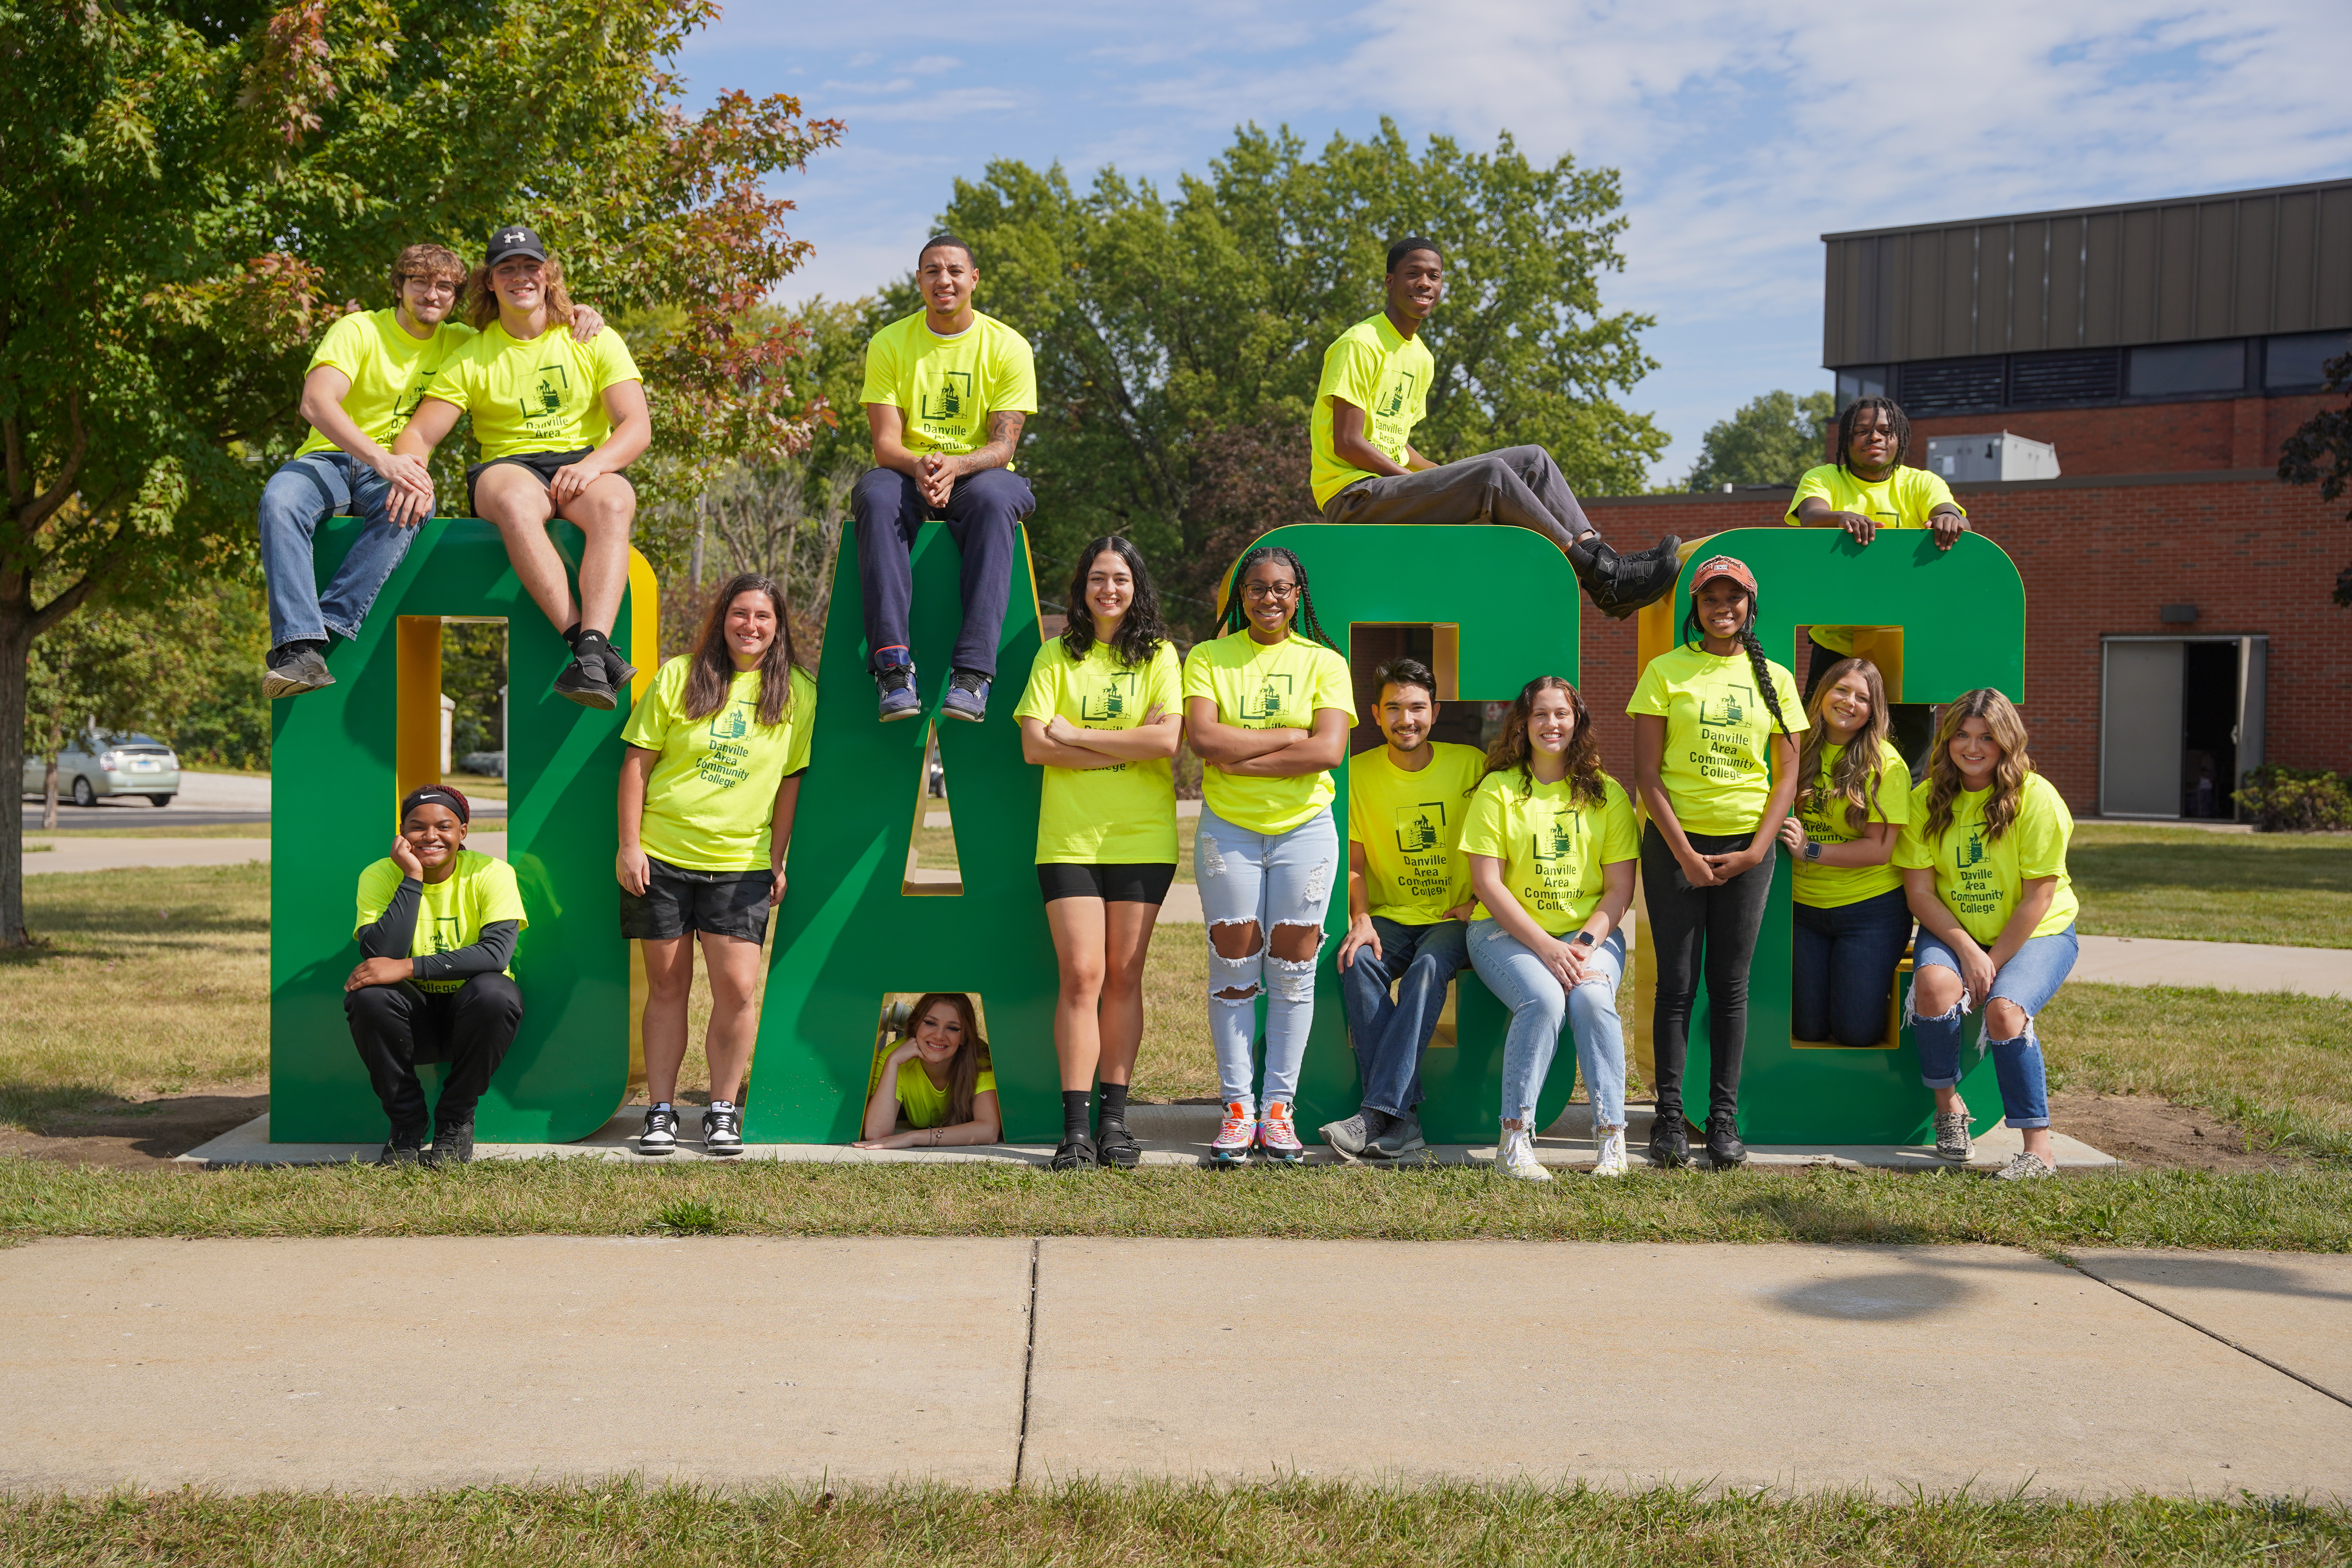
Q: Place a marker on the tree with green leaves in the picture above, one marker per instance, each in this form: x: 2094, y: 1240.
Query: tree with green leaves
x: 1772, y: 441
x: 205, y: 186
x: 2320, y: 453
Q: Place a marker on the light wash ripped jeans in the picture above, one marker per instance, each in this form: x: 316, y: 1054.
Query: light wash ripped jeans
x: 1275, y: 879
x: 1539, y: 1005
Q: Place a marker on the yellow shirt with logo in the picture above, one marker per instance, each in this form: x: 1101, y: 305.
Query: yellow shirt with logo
x: 1386, y: 375
x: 1410, y: 825
x: 1552, y: 849
x: 1105, y: 817
x: 924, y: 1103
x: 1258, y: 686
x: 544, y: 396
x: 390, y: 371
x: 712, y: 794
x: 1833, y: 887
x: 480, y: 890
x: 1902, y: 499
x: 1980, y: 878
x: 945, y: 388
x: 1717, y: 770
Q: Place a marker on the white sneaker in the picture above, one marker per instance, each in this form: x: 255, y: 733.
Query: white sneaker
x: 1517, y: 1157
x: 1612, y: 1153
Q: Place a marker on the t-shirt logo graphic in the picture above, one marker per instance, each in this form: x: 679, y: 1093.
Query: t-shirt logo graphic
x: 1418, y: 826
x: 444, y: 935
x: 729, y: 723
x: 547, y: 393
x: 1398, y: 395
x: 1558, y: 841
x: 1269, y: 701
x: 1729, y: 710
x: 947, y: 401
x: 1112, y: 700
x: 1972, y: 853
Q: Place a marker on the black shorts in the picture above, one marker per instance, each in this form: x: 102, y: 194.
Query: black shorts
x: 676, y: 901
x: 1130, y: 882
x: 542, y: 464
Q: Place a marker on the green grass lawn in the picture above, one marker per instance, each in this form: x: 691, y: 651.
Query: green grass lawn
x: 2293, y: 890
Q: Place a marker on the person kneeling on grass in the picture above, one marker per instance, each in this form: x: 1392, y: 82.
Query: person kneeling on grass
x: 1984, y: 865
x: 937, y: 1080
x: 1551, y: 845
x: 437, y: 924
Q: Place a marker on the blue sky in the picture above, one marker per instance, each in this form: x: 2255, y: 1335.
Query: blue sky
x: 1743, y: 131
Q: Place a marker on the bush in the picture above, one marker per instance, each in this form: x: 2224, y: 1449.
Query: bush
x: 2297, y: 800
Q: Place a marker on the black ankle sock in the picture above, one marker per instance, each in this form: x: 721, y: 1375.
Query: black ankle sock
x: 1074, y: 1113
x: 1114, y: 1104
x: 589, y: 641
x: 571, y: 635
x: 1375, y: 1121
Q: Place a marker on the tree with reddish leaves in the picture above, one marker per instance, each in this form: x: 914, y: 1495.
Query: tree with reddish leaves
x: 2320, y: 453
x: 205, y: 189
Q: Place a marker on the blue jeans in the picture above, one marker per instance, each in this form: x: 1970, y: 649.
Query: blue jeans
x: 1390, y: 1036
x: 301, y: 495
x: 1538, y: 1005
x: 1843, y: 968
x: 982, y: 514
x: 1271, y: 880
x: 2031, y: 977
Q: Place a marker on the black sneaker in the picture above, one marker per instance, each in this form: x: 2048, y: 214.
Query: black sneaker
x: 586, y: 681
x: 1076, y: 1152
x: 1116, y: 1147
x: 401, y: 1150
x: 1401, y: 1137
x: 1723, y: 1144
x: 1669, y: 1149
x: 660, y: 1136
x: 452, y: 1145
x: 293, y: 669
x: 617, y: 670
x: 895, y: 687
x: 1646, y: 578
x: 722, y: 1130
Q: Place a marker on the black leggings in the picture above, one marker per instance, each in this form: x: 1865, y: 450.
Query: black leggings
x: 1684, y: 921
x: 397, y: 1026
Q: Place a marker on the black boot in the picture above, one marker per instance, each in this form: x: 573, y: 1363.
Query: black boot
x: 1620, y: 584
x: 1723, y: 1144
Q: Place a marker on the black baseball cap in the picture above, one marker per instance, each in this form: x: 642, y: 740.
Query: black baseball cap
x: 514, y: 239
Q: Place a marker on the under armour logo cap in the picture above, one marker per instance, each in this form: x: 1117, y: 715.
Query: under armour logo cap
x: 514, y: 240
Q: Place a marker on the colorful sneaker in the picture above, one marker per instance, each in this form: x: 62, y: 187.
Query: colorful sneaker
x: 660, y: 1136
x: 722, y: 1130
x: 1236, y: 1136
x: 1278, y: 1137
x: 895, y: 685
x: 1612, y: 1162
x: 1517, y: 1157
x: 967, y: 696
x: 2024, y: 1167
x: 1952, y: 1135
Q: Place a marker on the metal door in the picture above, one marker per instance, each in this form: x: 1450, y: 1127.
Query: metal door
x: 2139, y: 728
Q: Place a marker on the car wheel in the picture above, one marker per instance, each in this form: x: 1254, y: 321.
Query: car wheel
x: 83, y: 794
x: 161, y: 799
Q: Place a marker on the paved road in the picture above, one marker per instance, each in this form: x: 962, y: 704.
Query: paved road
x: 244, y: 1364
x: 205, y: 800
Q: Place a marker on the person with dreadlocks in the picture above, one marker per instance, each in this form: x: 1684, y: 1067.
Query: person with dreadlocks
x: 1984, y: 865
x: 1100, y: 716
x: 1715, y: 761
x: 1375, y: 388
x: 1268, y: 707
x: 437, y: 929
x: 1868, y: 488
x: 1851, y: 923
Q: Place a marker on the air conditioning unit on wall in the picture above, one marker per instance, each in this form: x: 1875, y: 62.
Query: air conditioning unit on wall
x: 1997, y: 457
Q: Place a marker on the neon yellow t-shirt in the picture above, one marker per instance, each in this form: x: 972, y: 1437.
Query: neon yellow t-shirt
x: 924, y: 1103
x: 1902, y: 499
x: 712, y: 794
x: 1258, y: 686
x: 1410, y: 826
x: 1833, y: 887
x: 1386, y: 375
x: 480, y: 892
x: 1717, y: 769
x: 1553, y: 850
x: 945, y: 388
x: 1981, y: 880
x: 390, y: 371
x: 544, y: 396
x: 1105, y: 817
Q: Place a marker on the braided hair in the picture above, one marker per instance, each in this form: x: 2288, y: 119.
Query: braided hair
x: 1895, y: 418
x: 1303, y: 619
x: 1746, y: 637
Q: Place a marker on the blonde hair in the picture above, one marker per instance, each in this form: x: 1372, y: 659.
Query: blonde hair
x: 1999, y: 715
x: 1854, y: 780
x: 482, y: 301
x: 428, y: 260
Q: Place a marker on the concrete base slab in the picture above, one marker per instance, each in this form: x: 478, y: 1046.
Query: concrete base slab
x: 2292, y: 1308
x: 1800, y: 1366
x: 2219, y: 965
x: 362, y: 1365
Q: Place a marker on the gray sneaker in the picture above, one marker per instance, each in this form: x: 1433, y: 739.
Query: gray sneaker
x: 1403, y: 1138
x: 292, y: 671
x: 1952, y: 1135
x: 2024, y: 1167
x: 1350, y: 1137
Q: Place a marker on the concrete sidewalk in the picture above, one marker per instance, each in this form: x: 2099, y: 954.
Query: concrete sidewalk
x: 376, y: 1366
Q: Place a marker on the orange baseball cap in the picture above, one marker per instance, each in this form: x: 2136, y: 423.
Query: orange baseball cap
x: 1724, y: 566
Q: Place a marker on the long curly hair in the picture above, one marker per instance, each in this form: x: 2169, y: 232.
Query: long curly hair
x: 1854, y: 780
x: 1141, y: 631
x: 1894, y: 416
x: 1944, y: 781
x: 711, y: 676
x: 1587, y: 785
x: 964, y: 1068
x: 1303, y: 619
x: 1746, y: 637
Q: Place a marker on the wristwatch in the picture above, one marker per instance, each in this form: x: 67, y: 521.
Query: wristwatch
x: 1583, y: 939
x: 1812, y: 848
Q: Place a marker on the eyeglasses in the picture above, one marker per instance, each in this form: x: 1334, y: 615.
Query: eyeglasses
x: 433, y: 285
x: 1269, y: 590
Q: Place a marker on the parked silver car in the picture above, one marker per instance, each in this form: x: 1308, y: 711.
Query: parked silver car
x: 92, y: 766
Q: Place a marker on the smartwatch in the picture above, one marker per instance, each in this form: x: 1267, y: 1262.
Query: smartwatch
x: 1812, y: 848
x: 1583, y: 939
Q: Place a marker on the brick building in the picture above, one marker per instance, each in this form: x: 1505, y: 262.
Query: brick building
x: 2180, y: 621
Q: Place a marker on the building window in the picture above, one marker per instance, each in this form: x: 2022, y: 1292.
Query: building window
x: 2069, y: 375
x: 2170, y: 370
x: 1952, y: 385
x: 1862, y: 381
x: 2300, y: 359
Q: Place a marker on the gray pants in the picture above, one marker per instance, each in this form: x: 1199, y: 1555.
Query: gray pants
x: 1520, y: 486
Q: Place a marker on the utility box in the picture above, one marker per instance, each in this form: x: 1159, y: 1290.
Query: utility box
x: 1998, y: 456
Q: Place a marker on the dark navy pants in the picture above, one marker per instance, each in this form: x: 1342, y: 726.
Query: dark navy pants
x: 1842, y: 968
x: 980, y: 514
